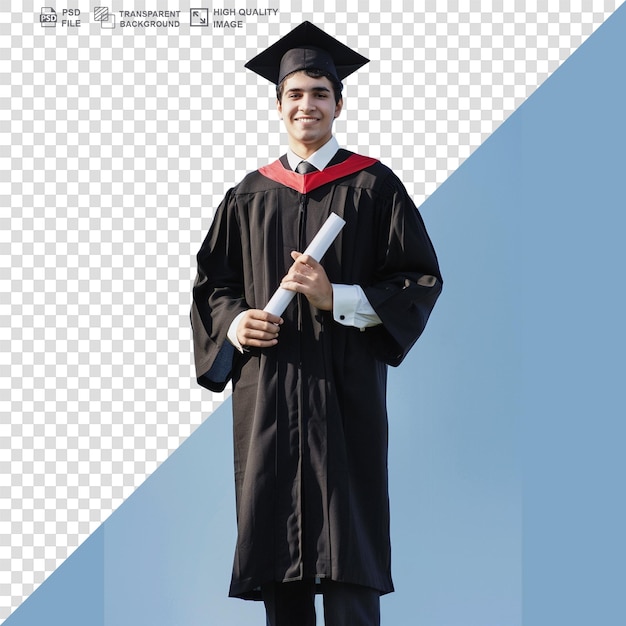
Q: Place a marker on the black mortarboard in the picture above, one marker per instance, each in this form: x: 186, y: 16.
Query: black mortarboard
x: 306, y: 47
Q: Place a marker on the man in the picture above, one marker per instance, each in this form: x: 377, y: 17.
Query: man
x: 309, y: 406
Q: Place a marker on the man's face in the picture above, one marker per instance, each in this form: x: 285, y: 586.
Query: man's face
x: 308, y: 109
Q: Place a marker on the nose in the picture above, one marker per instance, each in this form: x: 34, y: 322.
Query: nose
x: 306, y: 102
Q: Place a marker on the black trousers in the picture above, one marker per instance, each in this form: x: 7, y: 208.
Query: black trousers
x: 293, y: 604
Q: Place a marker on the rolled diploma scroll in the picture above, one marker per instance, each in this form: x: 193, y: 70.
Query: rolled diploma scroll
x: 317, y: 249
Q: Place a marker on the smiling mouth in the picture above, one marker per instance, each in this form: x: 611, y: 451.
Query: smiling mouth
x: 306, y: 119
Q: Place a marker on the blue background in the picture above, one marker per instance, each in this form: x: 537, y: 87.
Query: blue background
x: 507, y: 420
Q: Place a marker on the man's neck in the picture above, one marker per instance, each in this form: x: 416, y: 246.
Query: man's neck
x: 319, y: 158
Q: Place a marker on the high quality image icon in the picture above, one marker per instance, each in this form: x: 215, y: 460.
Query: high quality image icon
x: 199, y: 17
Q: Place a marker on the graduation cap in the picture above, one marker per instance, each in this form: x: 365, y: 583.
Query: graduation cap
x: 306, y: 47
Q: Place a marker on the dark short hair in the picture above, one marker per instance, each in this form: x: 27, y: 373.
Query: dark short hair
x: 313, y: 73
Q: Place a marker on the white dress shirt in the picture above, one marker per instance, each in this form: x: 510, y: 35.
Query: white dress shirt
x: 320, y: 158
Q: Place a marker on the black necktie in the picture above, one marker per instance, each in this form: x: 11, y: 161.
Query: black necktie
x: 304, y: 167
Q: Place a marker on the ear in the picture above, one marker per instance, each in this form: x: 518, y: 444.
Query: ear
x: 279, y: 108
x: 338, y: 107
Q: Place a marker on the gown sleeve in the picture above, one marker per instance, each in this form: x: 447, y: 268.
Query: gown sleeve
x: 218, y: 297
x: 407, y: 281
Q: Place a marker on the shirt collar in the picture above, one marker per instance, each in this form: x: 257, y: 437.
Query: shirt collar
x: 320, y: 158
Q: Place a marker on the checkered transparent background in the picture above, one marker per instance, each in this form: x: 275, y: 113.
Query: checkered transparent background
x: 117, y: 145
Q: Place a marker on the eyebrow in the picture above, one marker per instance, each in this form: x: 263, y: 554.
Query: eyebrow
x: 293, y: 89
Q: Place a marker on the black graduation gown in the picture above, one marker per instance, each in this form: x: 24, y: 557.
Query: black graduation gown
x: 310, y: 420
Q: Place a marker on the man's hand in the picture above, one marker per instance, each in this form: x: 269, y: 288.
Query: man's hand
x: 258, y: 329
x: 307, y: 276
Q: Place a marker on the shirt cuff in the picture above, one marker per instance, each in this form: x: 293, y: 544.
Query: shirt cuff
x: 352, y: 308
x: 232, y: 332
